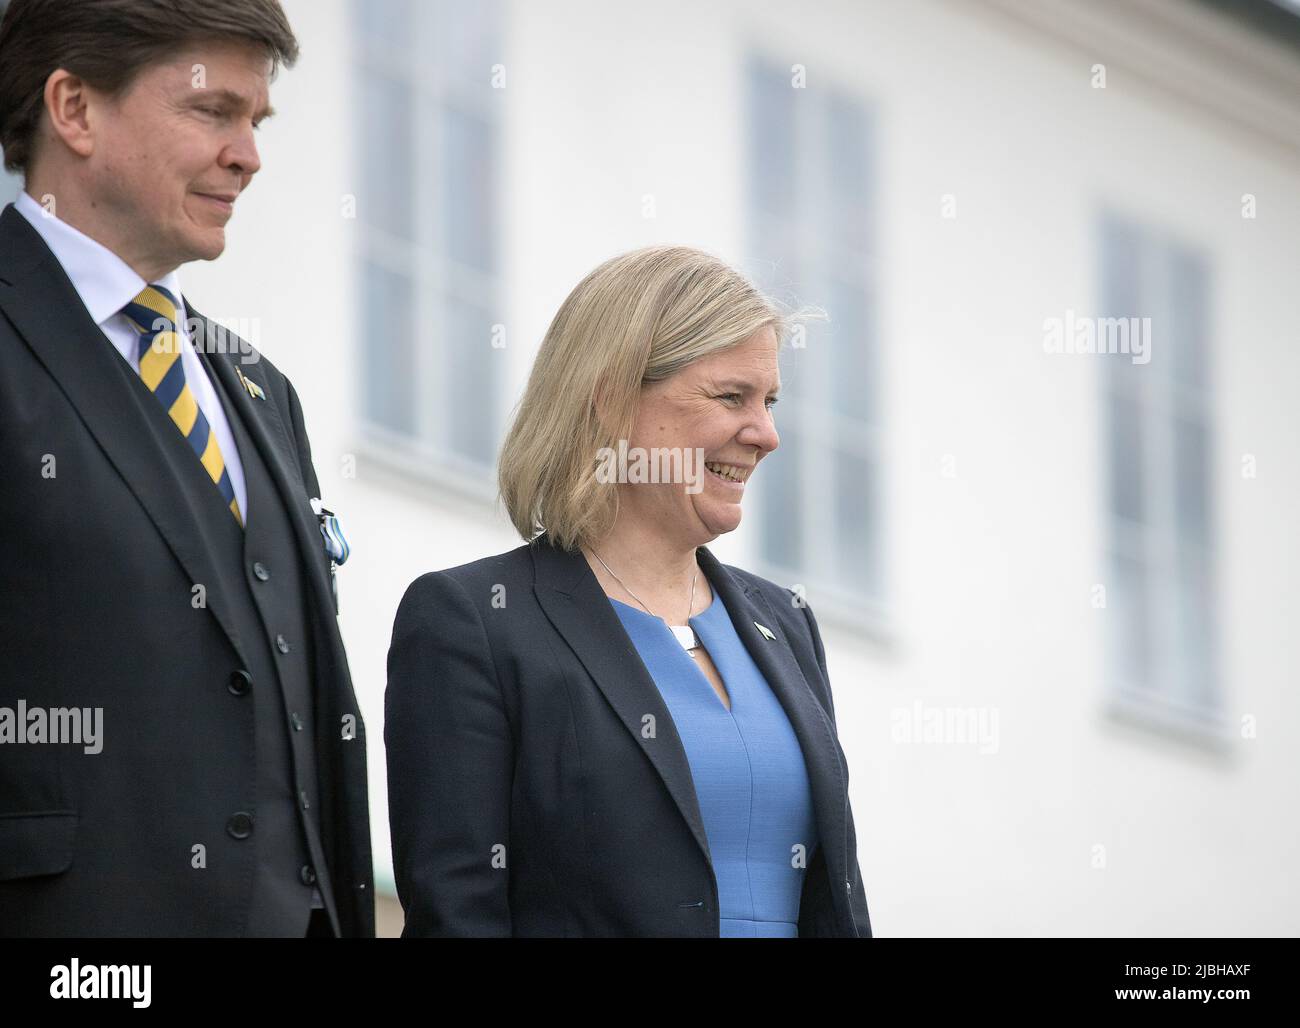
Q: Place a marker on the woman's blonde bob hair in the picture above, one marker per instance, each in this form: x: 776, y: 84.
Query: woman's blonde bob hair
x: 638, y: 318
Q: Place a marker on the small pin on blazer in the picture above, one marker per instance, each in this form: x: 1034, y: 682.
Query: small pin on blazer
x: 254, y: 390
x: 767, y: 632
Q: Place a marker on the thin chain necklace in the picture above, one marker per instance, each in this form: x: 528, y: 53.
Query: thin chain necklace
x: 685, y: 633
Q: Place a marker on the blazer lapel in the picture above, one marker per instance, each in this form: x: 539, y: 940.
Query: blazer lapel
x: 829, y: 785
x: 575, y: 604
x: 344, y: 829
x: 261, y: 420
x: 111, y: 400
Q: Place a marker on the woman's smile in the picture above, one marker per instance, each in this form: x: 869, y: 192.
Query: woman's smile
x: 732, y: 476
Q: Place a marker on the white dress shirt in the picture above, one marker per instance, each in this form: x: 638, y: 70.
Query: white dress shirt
x: 106, y: 284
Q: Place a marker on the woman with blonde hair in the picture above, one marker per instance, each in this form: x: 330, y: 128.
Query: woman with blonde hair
x: 607, y: 732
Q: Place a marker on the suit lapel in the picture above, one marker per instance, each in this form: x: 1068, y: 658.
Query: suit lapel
x: 575, y: 604
x: 260, y: 427
x: 111, y: 400
x: 260, y: 418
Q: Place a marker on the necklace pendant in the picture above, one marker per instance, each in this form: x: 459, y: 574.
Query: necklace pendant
x: 686, y: 636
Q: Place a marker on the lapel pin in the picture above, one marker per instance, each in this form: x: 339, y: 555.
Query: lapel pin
x: 254, y: 390
x: 767, y: 632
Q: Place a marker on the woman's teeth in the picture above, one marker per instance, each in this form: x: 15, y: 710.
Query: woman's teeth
x: 732, y: 474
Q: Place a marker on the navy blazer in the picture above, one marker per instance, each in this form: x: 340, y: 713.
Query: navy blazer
x: 528, y: 793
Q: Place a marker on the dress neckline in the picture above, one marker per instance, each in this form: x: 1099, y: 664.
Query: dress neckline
x: 705, y: 613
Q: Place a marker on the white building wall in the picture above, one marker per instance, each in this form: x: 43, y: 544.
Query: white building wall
x: 990, y: 570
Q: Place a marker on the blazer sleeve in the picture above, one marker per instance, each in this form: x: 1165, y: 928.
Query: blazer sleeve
x: 450, y: 761
x: 857, y: 893
x: 820, y: 652
x: 302, y: 442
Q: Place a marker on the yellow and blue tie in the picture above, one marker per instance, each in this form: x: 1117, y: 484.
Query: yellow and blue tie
x: 154, y: 315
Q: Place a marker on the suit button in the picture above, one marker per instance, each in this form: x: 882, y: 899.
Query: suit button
x: 308, y: 875
x: 240, y: 825
x: 240, y: 682
x: 297, y: 721
x: 259, y: 569
x: 282, y: 644
x: 302, y: 795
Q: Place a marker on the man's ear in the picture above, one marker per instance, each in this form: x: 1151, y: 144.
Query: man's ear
x: 68, y: 116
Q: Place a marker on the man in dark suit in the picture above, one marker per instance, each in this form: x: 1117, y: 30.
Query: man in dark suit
x: 181, y: 751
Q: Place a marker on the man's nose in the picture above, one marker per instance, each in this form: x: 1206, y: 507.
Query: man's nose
x: 241, y: 155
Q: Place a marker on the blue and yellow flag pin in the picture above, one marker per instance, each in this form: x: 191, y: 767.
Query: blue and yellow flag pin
x: 254, y: 390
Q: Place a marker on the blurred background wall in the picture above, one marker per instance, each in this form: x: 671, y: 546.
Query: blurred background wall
x: 1057, y: 588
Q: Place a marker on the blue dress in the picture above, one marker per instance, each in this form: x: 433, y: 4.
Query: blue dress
x: 748, y: 769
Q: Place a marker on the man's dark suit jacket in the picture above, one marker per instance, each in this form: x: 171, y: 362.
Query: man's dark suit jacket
x: 527, y: 796
x: 109, y: 525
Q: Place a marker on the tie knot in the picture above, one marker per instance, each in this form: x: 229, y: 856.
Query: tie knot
x: 153, y: 310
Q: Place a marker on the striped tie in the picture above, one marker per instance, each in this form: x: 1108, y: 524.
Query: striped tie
x: 154, y: 315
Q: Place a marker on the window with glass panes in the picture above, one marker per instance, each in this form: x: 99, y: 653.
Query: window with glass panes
x: 427, y: 204
x: 1160, y: 532
x: 811, y: 197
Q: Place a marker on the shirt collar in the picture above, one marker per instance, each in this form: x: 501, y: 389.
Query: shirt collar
x: 101, y: 278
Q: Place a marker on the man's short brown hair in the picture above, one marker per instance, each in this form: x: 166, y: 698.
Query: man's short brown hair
x: 108, y: 42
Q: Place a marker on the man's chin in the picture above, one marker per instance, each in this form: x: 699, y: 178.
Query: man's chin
x: 207, y: 247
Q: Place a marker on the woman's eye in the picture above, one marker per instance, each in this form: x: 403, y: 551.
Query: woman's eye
x: 769, y: 403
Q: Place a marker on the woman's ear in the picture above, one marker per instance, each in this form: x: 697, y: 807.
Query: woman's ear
x: 610, y: 419
x: 600, y: 405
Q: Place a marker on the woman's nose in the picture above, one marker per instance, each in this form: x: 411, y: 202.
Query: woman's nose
x: 761, y: 432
